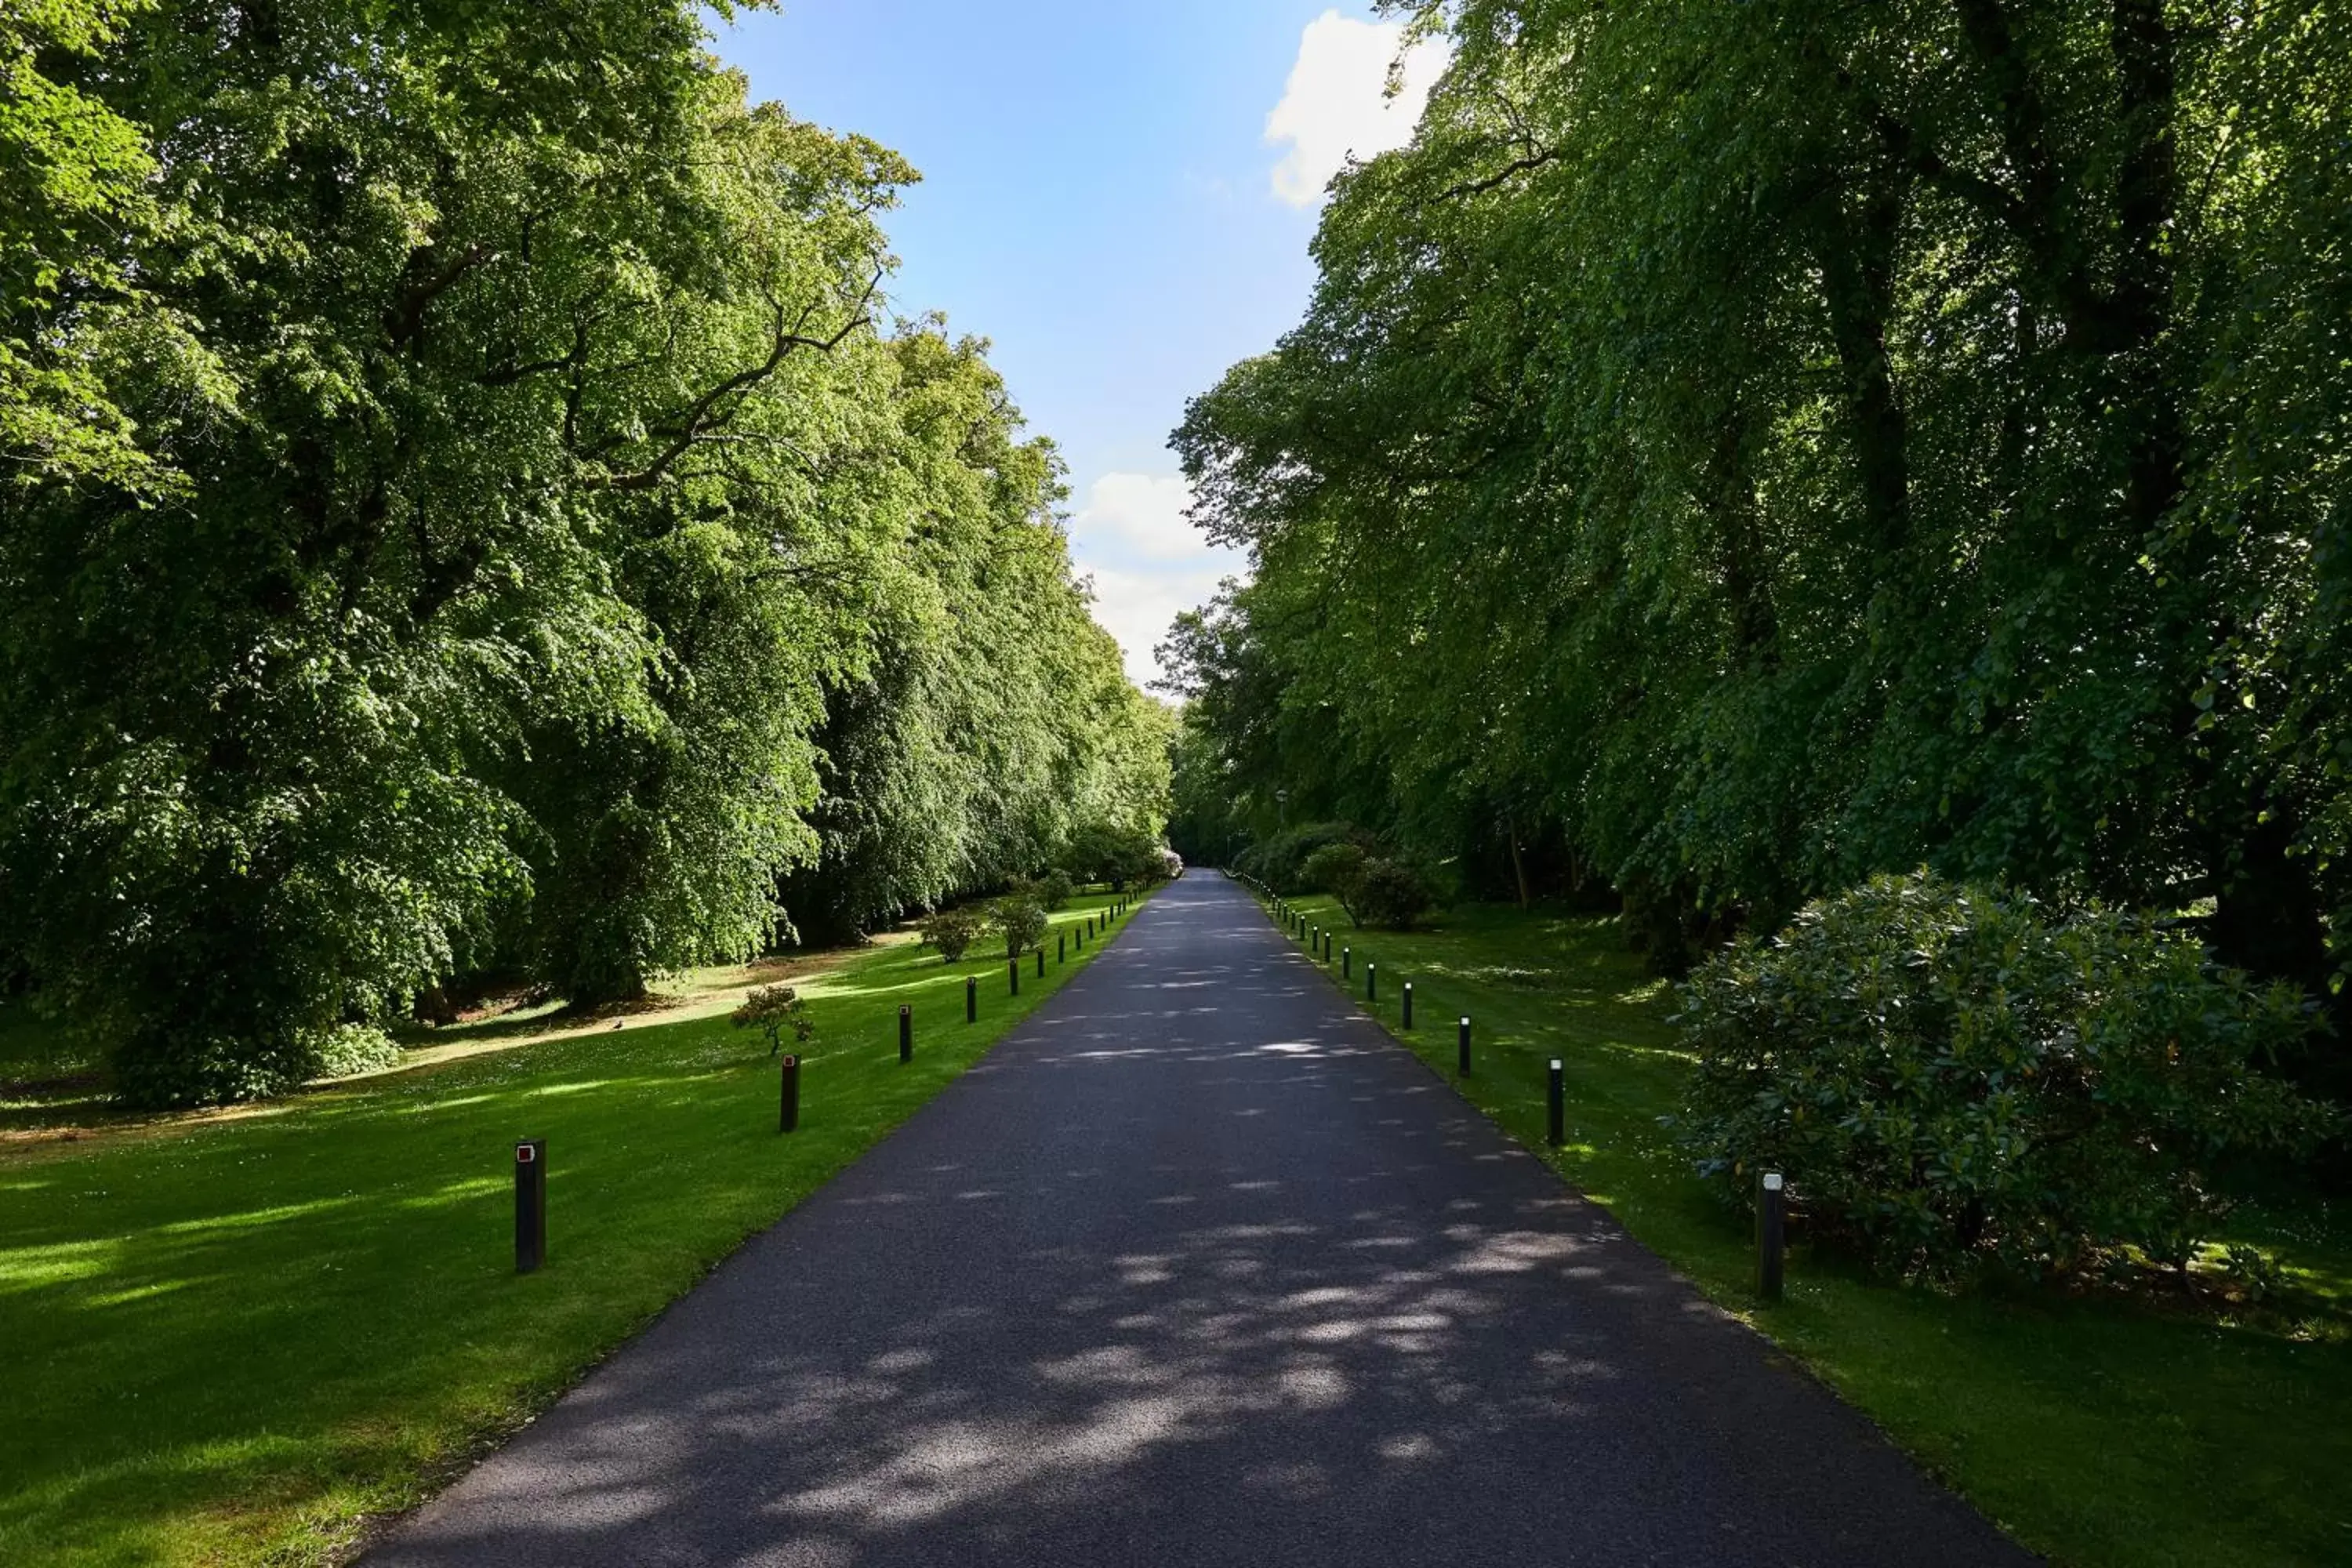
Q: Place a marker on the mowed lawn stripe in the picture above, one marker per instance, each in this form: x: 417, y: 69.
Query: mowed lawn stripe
x: 2073, y: 1420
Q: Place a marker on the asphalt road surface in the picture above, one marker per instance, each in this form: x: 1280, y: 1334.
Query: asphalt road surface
x: 1196, y: 1267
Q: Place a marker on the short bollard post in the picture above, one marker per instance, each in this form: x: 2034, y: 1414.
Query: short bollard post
x: 1061, y: 948
x: 1557, y: 1097
x: 1041, y: 961
x: 1462, y: 1047
x: 1408, y: 1003
x: 1771, y: 1235
x: 788, y: 1106
x: 531, y: 1204
x: 1372, y: 982
x: 1347, y: 963
x: 1090, y: 925
x: 905, y: 1034
x: 972, y: 999
x: 1013, y: 964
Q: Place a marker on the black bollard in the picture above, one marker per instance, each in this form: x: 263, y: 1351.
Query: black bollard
x: 1041, y: 961
x: 1558, y: 1098
x: 531, y: 1204
x: 788, y: 1107
x: 1061, y: 948
x: 1462, y: 1047
x: 1771, y: 1235
x: 1372, y: 983
x: 905, y: 1034
x: 972, y: 999
x: 1013, y: 964
x: 1347, y: 963
x: 1408, y: 1003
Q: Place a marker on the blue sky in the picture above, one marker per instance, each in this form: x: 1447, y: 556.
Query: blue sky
x: 1119, y: 196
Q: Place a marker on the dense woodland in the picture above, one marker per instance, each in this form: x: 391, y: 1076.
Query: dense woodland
x: 465, y: 507
x: 1739, y: 449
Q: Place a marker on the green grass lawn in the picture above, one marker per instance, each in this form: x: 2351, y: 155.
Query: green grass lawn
x: 2106, y: 1432
x: 235, y: 1342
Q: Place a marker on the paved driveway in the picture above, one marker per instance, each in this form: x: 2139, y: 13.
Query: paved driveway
x: 1196, y: 1267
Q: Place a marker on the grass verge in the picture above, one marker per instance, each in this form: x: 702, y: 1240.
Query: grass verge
x: 2103, y: 1431
x: 237, y: 1342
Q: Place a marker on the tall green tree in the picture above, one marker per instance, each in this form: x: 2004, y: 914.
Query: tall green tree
x: 1760, y: 444
x: 457, y: 460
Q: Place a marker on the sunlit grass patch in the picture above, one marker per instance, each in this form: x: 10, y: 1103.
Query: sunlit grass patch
x: 230, y: 1341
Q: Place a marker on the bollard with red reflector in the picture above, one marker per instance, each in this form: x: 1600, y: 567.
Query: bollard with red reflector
x: 788, y: 1097
x: 531, y: 1204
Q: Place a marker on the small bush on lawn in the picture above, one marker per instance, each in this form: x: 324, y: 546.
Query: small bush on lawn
x: 953, y: 932
x: 349, y: 1048
x: 1950, y: 1075
x: 1391, y: 896
x: 772, y: 1009
x: 1337, y: 868
x: 1055, y: 889
x: 1372, y: 890
x: 1020, y: 919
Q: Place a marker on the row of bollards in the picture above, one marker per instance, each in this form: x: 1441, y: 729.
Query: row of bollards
x: 1771, y: 1198
x: 530, y: 1153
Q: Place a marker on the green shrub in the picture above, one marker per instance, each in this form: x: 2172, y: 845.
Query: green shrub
x: 1337, y: 868
x: 1020, y: 919
x: 953, y: 932
x: 1280, y: 861
x: 772, y: 1009
x: 1391, y: 896
x: 1373, y: 891
x: 1055, y: 889
x: 349, y: 1048
x: 1950, y: 1075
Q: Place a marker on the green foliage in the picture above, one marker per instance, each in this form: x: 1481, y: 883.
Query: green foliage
x: 1019, y: 919
x: 1949, y: 1074
x: 1374, y: 891
x: 953, y: 931
x: 1122, y: 854
x: 347, y: 1049
x: 1752, y: 447
x: 1280, y: 861
x: 448, y: 530
x: 1055, y: 889
x: 1391, y: 895
x: 1337, y: 868
x: 772, y: 1009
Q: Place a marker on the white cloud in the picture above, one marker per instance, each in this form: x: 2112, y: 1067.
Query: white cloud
x: 1140, y: 513
x: 1337, y: 103
x: 1148, y: 563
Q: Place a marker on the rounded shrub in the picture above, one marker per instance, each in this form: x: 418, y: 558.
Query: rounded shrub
x: 1055, y: 889
x: 1951, y: 1074
x: 1020, y: 919
x: 953, y: 932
